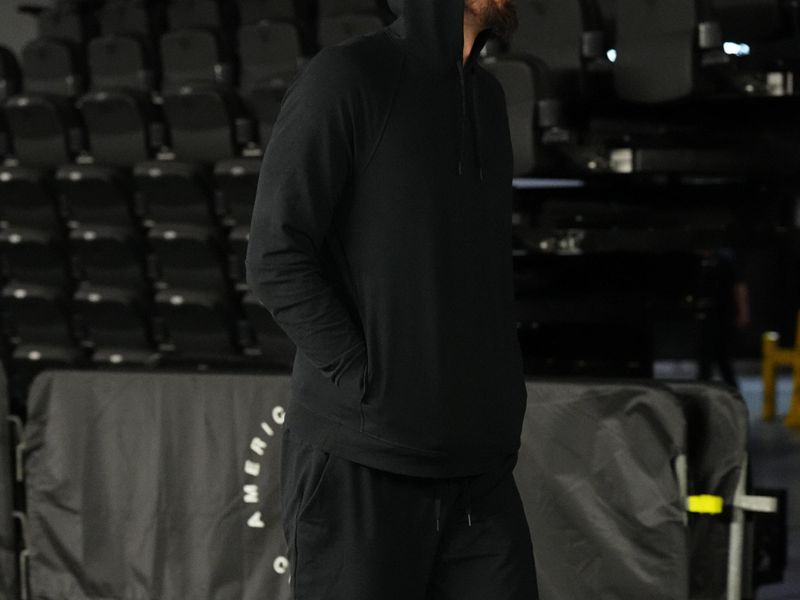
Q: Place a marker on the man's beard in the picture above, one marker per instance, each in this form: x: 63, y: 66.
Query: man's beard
x: 502, y: 20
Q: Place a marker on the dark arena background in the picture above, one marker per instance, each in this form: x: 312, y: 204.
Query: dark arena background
x: 656, y: 159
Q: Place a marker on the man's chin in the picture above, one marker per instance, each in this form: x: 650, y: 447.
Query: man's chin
x: 503, y: 21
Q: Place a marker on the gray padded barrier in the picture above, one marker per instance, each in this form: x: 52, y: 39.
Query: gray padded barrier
x: 8, y: 565
x: 717, y: 425
x: 156, y: 486
x: 597, y: 476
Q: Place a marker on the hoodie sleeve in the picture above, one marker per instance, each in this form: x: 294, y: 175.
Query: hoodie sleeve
x: 306, y: 165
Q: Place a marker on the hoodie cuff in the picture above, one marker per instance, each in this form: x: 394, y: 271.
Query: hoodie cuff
x: 353, y: 379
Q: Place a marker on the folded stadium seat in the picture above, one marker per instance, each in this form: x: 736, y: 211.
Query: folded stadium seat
x: 10, y: 74
x: 195, y: 57
x: 33, y: 256
x: 270, y: 56
x: 206, y: 124
x: 53, y: 66
x: 44, y: 125
x: 45, y: 130
x: 567, y: 35
x: 35, y: 313
x: 219, y: 15
x: 237, y: 249
x: 770, y: 29
x: 121, y: 62
x: 108, y: 256
x: 253, y: 11
x: 534, y: 112
x: 93, y: 194
x: 343, y: 19
x: 194, y: 326
x: 260, y: 336
x: 28, y: 199
x: 123, y: 127
x: 174, y: 192
x: 114, y: 324
x: 6, y: 150
x: 236, y: 180
x: 667, y: 51
x: 187, y: 257
x: 68, y: 20
x: 201, y: 126
x: 38, y: 328
x: 608, y: 18
x: 144, y: 19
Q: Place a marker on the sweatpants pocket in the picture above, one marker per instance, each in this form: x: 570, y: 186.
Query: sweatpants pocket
x: 303, y: 469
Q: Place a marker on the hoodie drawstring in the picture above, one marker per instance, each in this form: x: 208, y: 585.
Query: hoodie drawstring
x: 467, y: 501
x: 476, y: 134
x: 476, y: 122
x: 438, y: 503
x: 463, y: 114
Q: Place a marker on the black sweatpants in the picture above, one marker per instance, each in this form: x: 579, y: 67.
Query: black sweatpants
x: 358, y: 533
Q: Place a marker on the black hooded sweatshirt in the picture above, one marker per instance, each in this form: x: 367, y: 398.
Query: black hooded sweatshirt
x: 380, y: 243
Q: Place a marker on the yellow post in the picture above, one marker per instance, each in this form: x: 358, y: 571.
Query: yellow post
x: 792, y: 358
x: 793, y: 416
x: 769, y: 345
x: 774, y: 356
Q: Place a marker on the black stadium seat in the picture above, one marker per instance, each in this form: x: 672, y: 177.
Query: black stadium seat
x: 186, y: 257
x: 114, y: 323
x: 770, y: 28
x: 205, y: 14
x: 194, y: 57
x: 92, y: 194
x: 34, y: 256
x: 122, y: 128
x: 236, y: 180
x: 270, y: 57
x: 173, y: 192
x: 121, y: 62
x: 532, y: 107
x: 195, y: 326
x: 28, y: 199
x: 66, y: 21
x: 237, y: 249
x: 253, y: 11
x: 52, y: 66
x: 203, y: 123
x: 663, y: 49
x: 270, y: 54
x: 336, y: 29
x: 10, y: 74
x: 141, y: 18
x: 45, y: 130
x: 565, y: 34
x: 103, y: 255
x: 36, y: 314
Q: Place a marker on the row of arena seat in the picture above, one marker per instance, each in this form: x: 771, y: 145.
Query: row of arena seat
x: 320, y: 22
x: 254, y: 54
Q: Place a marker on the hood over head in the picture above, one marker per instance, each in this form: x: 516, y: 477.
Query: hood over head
x: 434, y: 31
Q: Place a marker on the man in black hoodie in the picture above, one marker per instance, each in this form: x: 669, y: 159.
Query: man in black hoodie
x: 381, y: 243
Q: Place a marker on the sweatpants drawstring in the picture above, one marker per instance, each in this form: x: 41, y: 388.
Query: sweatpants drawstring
x: 468, y: 501
x: 438, y: 503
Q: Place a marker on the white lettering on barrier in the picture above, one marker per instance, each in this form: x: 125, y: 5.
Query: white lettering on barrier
x: 252, y: 468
